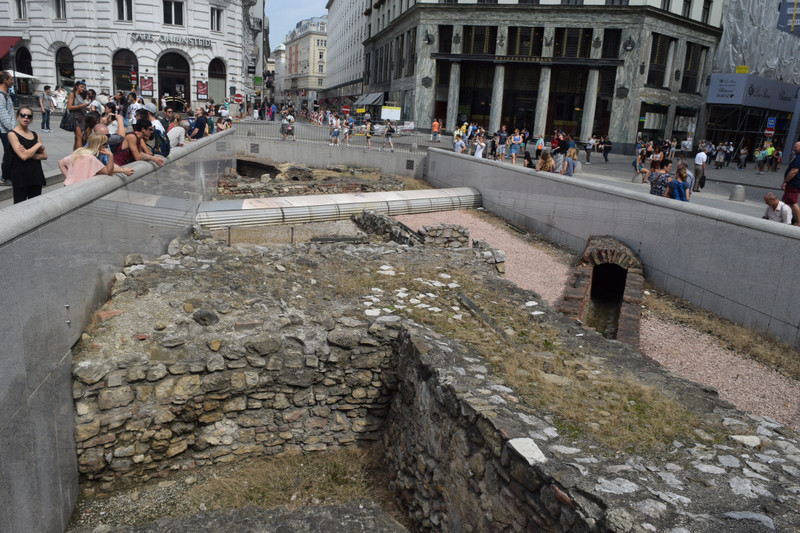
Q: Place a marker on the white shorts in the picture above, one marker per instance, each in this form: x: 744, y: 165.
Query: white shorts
x: 501, y: 149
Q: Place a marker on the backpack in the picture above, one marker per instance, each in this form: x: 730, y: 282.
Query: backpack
x: 161, y: 144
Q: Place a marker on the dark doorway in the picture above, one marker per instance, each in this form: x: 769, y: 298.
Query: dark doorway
x: 173, y: 81
x: 608, y: 287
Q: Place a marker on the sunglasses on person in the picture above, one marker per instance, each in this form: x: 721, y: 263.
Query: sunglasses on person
x: 26, y: 115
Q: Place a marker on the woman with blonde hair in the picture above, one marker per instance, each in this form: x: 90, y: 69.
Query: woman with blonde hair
x: 546, y: 162
x: 85, y: 162
x: 570, y: 162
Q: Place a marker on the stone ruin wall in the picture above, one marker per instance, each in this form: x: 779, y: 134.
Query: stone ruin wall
x: 272, y: 394
x: 374, y: 380
x: 465, y: 452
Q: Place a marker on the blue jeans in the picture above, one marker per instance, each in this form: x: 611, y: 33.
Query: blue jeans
x: 46, y: 120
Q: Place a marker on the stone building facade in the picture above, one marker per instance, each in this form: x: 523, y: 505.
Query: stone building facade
x: 347, y: 30
x: 191, y: 52
x: 306, y: 54
x: 628, y: 69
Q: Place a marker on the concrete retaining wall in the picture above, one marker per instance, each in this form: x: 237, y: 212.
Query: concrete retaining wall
x: 57, y: 253
x: 742, y: 268
x: 322, y: 155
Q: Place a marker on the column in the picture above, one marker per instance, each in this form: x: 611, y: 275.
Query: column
x: 452, y: 95
x: 542, y: 102
x: 670, y: 123
x: 498, y: 86
x: 543, y: 94
x: 669, y: 69
x: 425, y: 90
x: 454, y: 89
x: 589, y: 104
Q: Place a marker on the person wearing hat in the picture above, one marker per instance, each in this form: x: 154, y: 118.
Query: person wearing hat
x: 151, y: 117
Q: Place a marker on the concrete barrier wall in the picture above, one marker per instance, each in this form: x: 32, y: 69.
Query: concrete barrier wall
x: 742, y: 268
x: 321, y: 155
x: 57, y: 254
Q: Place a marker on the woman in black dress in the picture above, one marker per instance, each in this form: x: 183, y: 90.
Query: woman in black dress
x: 25, y: 159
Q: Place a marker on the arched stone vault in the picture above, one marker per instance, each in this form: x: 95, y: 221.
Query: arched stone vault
x: 602, y: 250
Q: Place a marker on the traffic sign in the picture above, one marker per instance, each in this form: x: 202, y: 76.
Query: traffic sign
x: 771, y: 123
x: 238, y: 98
x: 345, y: 109
x: 769, y: 132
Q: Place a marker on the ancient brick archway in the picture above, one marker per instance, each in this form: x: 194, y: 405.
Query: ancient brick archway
x: 603, y: 251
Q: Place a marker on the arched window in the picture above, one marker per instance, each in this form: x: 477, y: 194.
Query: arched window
x: 216, y: 80
x: 65, y: 67
x: 121, y: 65
x: 22, y: 66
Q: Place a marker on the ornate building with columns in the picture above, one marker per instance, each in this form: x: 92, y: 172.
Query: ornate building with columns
x: 189, y: 51
x: 624, y: 68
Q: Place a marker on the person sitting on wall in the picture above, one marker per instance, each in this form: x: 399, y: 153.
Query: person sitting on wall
x: 791, y: 183
x: 777, y: 211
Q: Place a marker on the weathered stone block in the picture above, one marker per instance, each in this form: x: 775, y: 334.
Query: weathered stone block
x: 117, y: 397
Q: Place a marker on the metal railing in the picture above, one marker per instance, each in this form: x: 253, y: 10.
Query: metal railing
x: 305, y: 131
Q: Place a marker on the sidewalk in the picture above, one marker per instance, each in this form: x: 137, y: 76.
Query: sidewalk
x: 617, y: 172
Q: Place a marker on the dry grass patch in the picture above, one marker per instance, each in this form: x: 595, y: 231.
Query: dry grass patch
x: 294, y: 481
x: 760, y: 347
x: 586, y: 397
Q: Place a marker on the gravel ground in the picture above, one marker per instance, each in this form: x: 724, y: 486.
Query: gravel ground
x: 748, y: 384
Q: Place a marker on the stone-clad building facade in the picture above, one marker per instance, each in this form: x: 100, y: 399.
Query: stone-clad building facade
x: 306, y: 55
x: 624, y: 68
x: 191, y: 51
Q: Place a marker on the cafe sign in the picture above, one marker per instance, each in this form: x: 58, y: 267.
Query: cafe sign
x: 171, y: 39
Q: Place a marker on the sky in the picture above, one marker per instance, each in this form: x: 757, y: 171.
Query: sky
x: 285, y: 14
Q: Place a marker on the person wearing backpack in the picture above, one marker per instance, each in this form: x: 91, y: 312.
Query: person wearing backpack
x: 158, y: 143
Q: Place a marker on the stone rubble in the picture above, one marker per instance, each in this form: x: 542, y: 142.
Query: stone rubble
x: 211, y: 354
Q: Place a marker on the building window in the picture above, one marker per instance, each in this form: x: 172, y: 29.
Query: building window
x: 525, y: 41
x: 612, y: 38
x: 22, y: 9
x: 691, y: 68
x: 480, y: 39
x: 658, y: 60
x: 173, y: 13
x: 319, y: 82
x: 445, y: 39
x: 487, y: 1
x: 572, y: 42
x: 124, y: 9
x: 687, y: 8
x: 706, y: 11
x: 666, y: 5
x: 216, y: 19
x: 532, y: 2
x: 616, y: 2
x: 322, y: 69
x: 61, y: 9
x: 571, y: 2
x: 321, y: 55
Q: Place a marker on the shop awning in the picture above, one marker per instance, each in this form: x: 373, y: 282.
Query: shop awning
x: 21, y: 75
x: 6, y: 43
x: 369, y: 99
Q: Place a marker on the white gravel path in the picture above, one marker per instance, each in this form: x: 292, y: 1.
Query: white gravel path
x: 748, y: 384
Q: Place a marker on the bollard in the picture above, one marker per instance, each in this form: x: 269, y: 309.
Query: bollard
x: 737, y: 194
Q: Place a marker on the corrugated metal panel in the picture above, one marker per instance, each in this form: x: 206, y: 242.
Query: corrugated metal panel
x: 303, y: 209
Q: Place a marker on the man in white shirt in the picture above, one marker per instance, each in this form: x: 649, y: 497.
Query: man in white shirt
x: 777, y: 211
x: 699, y: 168
x: 177, y: 135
